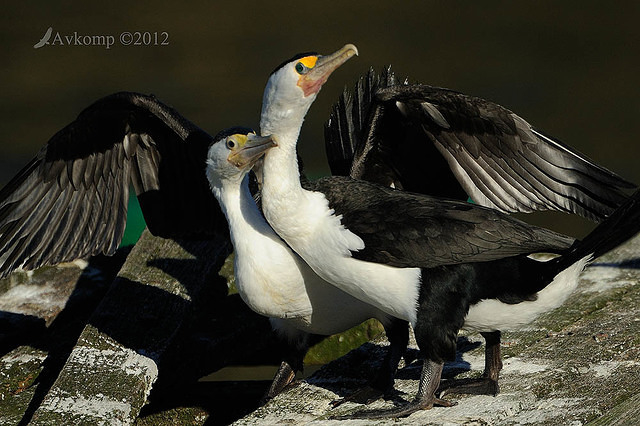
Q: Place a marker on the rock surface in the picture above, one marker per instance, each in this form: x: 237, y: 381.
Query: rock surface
x: 579, y: 364
x: 78, y: 347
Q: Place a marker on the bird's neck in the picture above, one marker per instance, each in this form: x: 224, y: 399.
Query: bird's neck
x: 246, y: 223
x: 268, y: 276
x: 289, y: 209
x: 282, y: 119
x: 285, y: 204
x: 280, y: 169
x: 281, y: 114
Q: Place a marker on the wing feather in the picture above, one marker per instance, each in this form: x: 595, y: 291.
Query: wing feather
x: 71, y: 200
x: 495, y: 156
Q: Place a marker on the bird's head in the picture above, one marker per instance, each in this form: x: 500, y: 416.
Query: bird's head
x: 293, y: 87
x: 233, y: 154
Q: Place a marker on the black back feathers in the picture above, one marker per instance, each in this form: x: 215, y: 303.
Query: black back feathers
x: 404, y: 229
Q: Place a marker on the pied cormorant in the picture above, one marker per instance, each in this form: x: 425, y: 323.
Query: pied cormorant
x: 444, y: 143
x: 277, y: 283
x: 439, y: 142
x: 440, y: 264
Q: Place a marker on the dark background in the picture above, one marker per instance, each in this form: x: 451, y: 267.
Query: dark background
x: 569, y: 68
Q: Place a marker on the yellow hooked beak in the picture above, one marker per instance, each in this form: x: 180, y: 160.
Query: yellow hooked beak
x: 312, y: 80
x: 247, y: 149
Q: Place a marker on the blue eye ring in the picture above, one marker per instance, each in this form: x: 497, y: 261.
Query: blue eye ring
x: 301, y: 68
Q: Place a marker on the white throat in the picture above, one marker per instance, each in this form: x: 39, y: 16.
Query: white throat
x: 305, y: 221
x: 267, y: 276
x: 283, y: 111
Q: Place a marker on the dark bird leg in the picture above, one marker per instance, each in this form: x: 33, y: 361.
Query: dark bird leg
x: 398, y: 335
x: 488, y: 383
x: 442, y: 306
x: 294, y: 352
x: 284, y: 376
x: 425, y: 398
x: 492, y: 361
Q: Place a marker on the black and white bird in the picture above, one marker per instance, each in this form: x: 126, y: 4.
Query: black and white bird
x: 440, y: 264
x: 277, y: 283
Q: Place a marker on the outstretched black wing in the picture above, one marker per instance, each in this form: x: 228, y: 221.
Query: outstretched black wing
x: 70, y: 201
x: 443, y: 143
x: 404, y: 229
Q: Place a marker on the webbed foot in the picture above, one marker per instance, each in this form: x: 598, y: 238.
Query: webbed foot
x: 425, y: 398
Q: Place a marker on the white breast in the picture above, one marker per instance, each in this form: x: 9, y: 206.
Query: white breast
x: 317, y: 235
x: 275, y: 282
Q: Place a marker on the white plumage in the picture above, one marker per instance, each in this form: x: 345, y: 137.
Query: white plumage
x: 270, y: 277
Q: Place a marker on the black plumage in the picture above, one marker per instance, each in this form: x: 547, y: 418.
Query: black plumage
x: 404, y: 229
x: 71, y: 200
x: 449, y: 291
x: 444, y: 143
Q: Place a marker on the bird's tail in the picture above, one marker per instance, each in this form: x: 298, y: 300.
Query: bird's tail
x: 622, y: 225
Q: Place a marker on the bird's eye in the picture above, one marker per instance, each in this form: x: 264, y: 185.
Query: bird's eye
x: 301, y: 68
x: 231, y: 143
